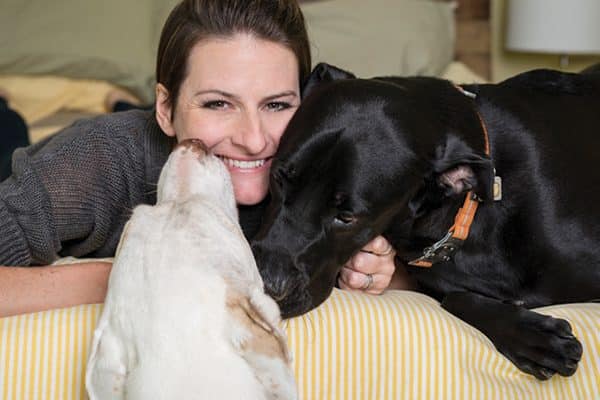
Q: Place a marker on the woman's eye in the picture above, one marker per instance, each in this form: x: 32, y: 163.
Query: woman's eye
x: 278, y: 106
x: 216, y: 104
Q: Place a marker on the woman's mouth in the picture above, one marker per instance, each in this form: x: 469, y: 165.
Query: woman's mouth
x: 245, y: 165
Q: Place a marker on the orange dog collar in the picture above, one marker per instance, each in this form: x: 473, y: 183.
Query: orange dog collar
x: 443, y: 249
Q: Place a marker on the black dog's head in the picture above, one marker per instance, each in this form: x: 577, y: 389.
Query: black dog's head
x: 359, y: 158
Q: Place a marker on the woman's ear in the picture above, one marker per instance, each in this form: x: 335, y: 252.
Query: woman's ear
x: 164, y: 109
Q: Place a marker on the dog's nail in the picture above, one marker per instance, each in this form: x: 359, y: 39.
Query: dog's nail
x: 546, y: 373
x: 567, y: 336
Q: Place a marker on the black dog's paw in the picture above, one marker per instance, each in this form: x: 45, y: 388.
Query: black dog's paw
x: 542, y: 346
x: 537, y: 344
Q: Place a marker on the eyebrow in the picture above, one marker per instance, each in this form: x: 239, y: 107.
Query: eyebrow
x: 282, y: 94
x: 234, y: 97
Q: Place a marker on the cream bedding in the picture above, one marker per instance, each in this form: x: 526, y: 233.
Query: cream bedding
x: 116, y: 41
x: 39, y: 98
x: 398, y: 346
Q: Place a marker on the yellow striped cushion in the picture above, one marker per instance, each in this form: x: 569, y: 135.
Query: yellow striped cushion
x: 400, y: 345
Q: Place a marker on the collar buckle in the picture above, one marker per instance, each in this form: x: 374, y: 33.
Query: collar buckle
x: 440, y: 251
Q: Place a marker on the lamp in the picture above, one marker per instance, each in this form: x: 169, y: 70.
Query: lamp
x: 554, y: 26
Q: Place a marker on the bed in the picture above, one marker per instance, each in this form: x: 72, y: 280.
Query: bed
x: 400, y: 345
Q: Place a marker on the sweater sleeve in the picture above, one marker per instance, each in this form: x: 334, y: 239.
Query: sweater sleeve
x: 70, y: 194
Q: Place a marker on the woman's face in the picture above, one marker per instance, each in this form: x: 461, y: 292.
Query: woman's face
x: 238, y: 96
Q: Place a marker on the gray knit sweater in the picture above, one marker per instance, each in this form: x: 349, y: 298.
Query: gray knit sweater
x: 72, y: 193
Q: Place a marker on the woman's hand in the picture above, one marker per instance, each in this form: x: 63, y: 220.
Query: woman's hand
x: 371, y: 269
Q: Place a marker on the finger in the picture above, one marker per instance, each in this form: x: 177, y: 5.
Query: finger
x: 380, y: 284
x: 352, y: 279
x: 365, y: 263
x: 343, y: 285
x: 356, y: 281
x: 378, y: 246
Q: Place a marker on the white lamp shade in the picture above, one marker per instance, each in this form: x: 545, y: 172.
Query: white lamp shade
x: 553, y: 26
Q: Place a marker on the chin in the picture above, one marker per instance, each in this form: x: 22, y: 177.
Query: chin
x: 246, y: 197
x: 250, y: 190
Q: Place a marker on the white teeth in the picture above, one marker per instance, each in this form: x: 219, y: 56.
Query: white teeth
x: 242, y: 164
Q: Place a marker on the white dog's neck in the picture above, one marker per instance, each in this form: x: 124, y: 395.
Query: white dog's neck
x: 228, y: 216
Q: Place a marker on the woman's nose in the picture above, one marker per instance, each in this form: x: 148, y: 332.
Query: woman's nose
x: 251, y: 133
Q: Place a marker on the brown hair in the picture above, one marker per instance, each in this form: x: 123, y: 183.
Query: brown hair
x: 191, y: 21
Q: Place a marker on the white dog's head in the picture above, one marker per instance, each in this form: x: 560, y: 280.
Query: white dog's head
x: 180, y: 178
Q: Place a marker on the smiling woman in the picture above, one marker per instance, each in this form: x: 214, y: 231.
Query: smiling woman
x: 242, y: 118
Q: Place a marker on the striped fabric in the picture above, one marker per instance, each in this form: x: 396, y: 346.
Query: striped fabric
x: 400, y: 345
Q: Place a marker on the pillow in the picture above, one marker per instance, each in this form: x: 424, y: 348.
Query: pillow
x: 110, y: 40
x: 460, y: 73
x: 116, y: 41
x: 400, y: 345
x: 382, y: 37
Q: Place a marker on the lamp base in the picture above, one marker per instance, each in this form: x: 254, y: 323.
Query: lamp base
x: 564, y: 62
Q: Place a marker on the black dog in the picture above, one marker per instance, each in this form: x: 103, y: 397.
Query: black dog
x: 400, y: 156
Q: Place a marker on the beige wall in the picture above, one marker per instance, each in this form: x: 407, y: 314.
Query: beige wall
x: 508, y: 63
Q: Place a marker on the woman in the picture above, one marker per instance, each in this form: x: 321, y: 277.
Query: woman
x: 229, y: 73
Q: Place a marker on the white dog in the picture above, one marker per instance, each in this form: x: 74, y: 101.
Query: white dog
x: 186, y: 316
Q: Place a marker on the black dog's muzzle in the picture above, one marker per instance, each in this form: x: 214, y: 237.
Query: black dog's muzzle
x: 286, y: 282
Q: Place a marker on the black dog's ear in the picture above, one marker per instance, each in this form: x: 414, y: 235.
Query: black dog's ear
x: 459, y: 179
x: 323, y: 73
x: 459, y: 169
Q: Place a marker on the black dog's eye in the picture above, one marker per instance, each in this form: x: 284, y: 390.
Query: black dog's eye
x: 345, y: 217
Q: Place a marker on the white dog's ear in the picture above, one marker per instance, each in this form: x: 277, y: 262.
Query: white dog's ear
x: 256, y: 335
x: 257, y: 317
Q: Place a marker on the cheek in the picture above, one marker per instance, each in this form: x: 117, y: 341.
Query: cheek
x: 276, y: 124
x: 204, y: 127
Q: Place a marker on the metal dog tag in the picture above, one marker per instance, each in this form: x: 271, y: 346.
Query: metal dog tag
x: 497, y: 188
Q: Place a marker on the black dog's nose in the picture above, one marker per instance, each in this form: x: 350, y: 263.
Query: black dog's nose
x: 278, y: 294
x: 274, y: 267
x: 285, y: 282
